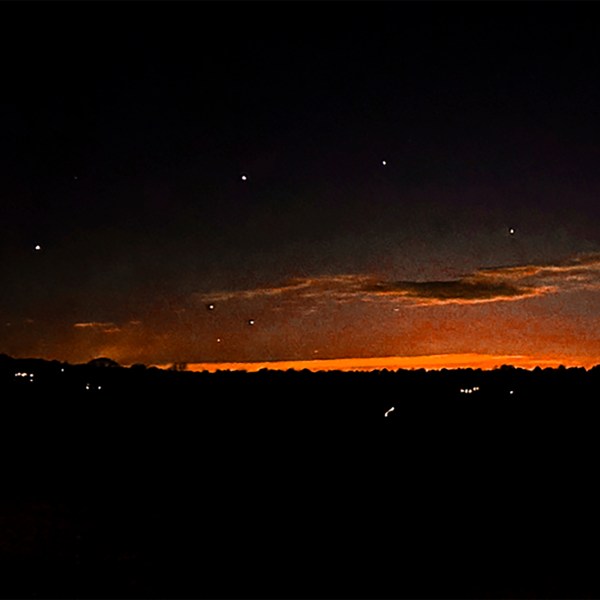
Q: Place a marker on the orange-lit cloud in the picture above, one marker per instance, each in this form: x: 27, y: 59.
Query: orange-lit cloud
x: 484, y: 285
x: 97, y: 326
x: 468, y: 290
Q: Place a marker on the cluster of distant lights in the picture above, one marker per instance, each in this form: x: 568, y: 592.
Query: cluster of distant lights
x: 476, y: 389
x: 22, y: 375
x: 469, y: 390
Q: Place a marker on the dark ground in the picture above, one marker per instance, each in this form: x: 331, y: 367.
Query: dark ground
x: 295, y: 485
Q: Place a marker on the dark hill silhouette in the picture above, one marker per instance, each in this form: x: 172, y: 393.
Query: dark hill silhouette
x: 103, y: 362
x: 139, y: 482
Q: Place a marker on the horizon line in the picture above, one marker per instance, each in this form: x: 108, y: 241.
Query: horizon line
x: 427, y: 362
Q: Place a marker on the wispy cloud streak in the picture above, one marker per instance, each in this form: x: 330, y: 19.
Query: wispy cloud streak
x: 98, y: 326
x: 497, y: 284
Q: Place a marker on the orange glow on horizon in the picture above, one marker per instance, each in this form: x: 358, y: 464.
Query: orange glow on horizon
x: 429, y: 362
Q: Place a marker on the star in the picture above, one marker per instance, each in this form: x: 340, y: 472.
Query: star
x: 210, y: 306
x: 244, y: 178
x: 384, y: 162
x: 511, y: 231
x: 250, y: 321
x: 37, y: 247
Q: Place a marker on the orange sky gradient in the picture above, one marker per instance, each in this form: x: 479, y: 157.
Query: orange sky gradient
x: 526, y: 316
x: 392, y: 363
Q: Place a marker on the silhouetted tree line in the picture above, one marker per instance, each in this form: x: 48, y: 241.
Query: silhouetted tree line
x: 140, y: 482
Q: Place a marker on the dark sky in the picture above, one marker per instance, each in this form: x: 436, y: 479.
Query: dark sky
x: 126, y: 129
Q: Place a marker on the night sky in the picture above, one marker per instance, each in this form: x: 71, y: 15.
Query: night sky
x: 225, y: 183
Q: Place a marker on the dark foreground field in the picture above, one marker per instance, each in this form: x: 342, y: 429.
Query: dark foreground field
x: 131, y: 483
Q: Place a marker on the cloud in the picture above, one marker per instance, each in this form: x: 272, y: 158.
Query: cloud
x: 585, y: 266
x: 97, y: 326
x: 469, y: 290
x: 496, y: 284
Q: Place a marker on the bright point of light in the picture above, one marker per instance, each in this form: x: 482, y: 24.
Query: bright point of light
x: 387, y: 412
x: 211, y: 307
x: 511, y: 231
x: 250, y: 321
x: 244, y: 178
x: 511, y: 392
x: 384, y: 162
x: 219, y: 340
x: 38, y: 247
